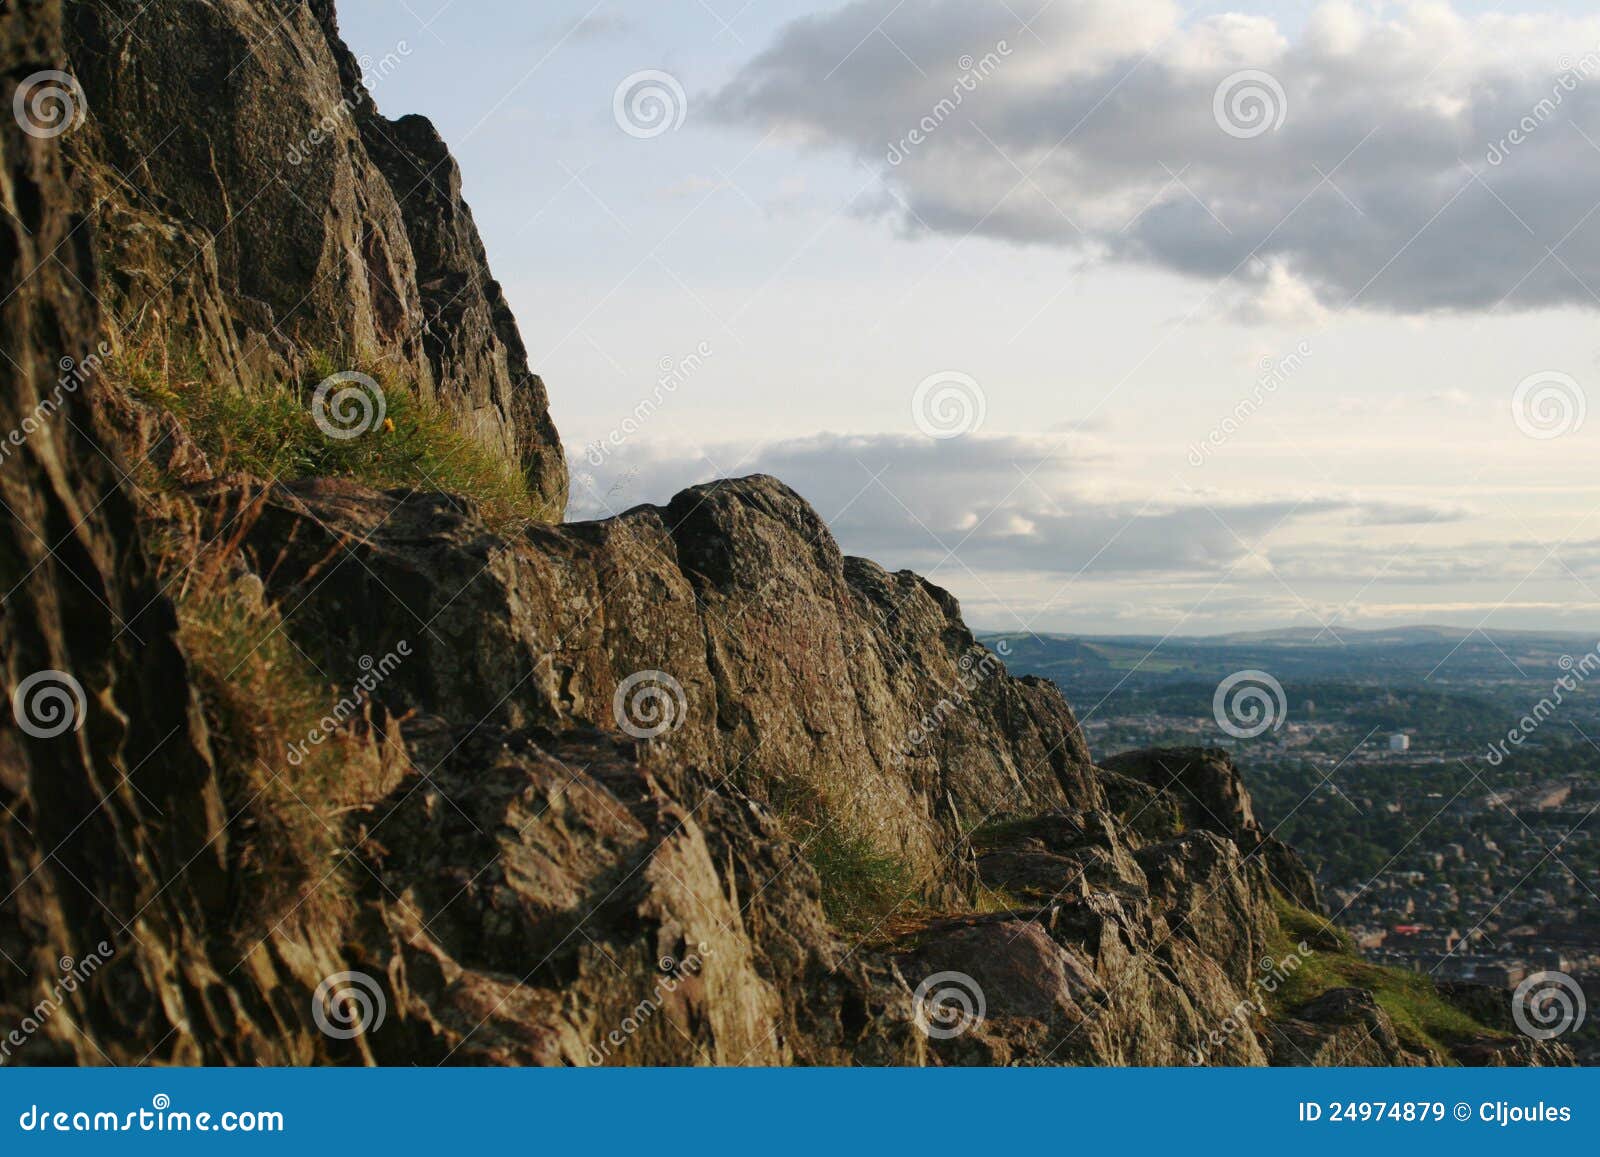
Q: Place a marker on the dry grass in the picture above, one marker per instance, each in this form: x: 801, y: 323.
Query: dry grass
x: 261, y: 698
x: 271, y: 433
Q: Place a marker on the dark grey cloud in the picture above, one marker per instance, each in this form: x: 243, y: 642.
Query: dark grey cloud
x: 1424, y: 160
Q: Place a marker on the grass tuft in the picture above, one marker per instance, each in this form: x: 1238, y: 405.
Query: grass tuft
x: 271, y: 433
x: 862, y: 885
x: 1422, y: 1017
x: 261, y: 698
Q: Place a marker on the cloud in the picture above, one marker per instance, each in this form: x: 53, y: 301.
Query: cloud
x: 1424, y: 160
x: 989, y: 504
x: 598, y: 25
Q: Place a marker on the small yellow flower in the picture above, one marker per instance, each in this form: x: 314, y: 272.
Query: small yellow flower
x: 388, y: 425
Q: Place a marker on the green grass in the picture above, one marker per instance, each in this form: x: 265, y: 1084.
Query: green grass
x: 1133, y: 658
x: 999, y: 900
x: 1422, y: 1017
x: 862, y: 885
x: 869, y: 892
x: 272, y: 433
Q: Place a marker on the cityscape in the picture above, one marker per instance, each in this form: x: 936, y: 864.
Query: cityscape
x: 1440, y: 845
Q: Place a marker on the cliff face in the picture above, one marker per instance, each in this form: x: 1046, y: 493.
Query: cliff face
x: 257, y: 206
x: 683, y: 786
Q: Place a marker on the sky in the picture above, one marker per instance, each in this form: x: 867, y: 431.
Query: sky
x: 1109, y: 316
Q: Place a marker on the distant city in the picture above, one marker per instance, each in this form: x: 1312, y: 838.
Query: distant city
x: 1443, y: 784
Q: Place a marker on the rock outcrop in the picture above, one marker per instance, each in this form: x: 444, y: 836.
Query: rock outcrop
x: 257, y: 207
x: 577, y: 808
x: 114, y: 843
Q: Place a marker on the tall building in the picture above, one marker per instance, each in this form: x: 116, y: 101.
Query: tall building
x: 1399, y: 741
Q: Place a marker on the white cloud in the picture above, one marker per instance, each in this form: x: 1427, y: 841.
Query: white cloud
x: 993, y: 504
x: 1095, y: 131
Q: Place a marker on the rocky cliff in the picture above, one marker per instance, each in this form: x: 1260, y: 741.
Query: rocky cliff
x: 683, y: 786
x: 251, y: 198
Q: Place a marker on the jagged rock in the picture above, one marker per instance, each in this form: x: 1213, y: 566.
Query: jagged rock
x: 1205, y: 787
x: 114, y: 842
x: 256, y: 206
x: 1342, y: 1027
x: 561, y: 869
x: 1520, y: 1052
x: 795, y: 669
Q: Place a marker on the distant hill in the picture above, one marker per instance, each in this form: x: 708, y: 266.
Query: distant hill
x: 1392, y: 656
